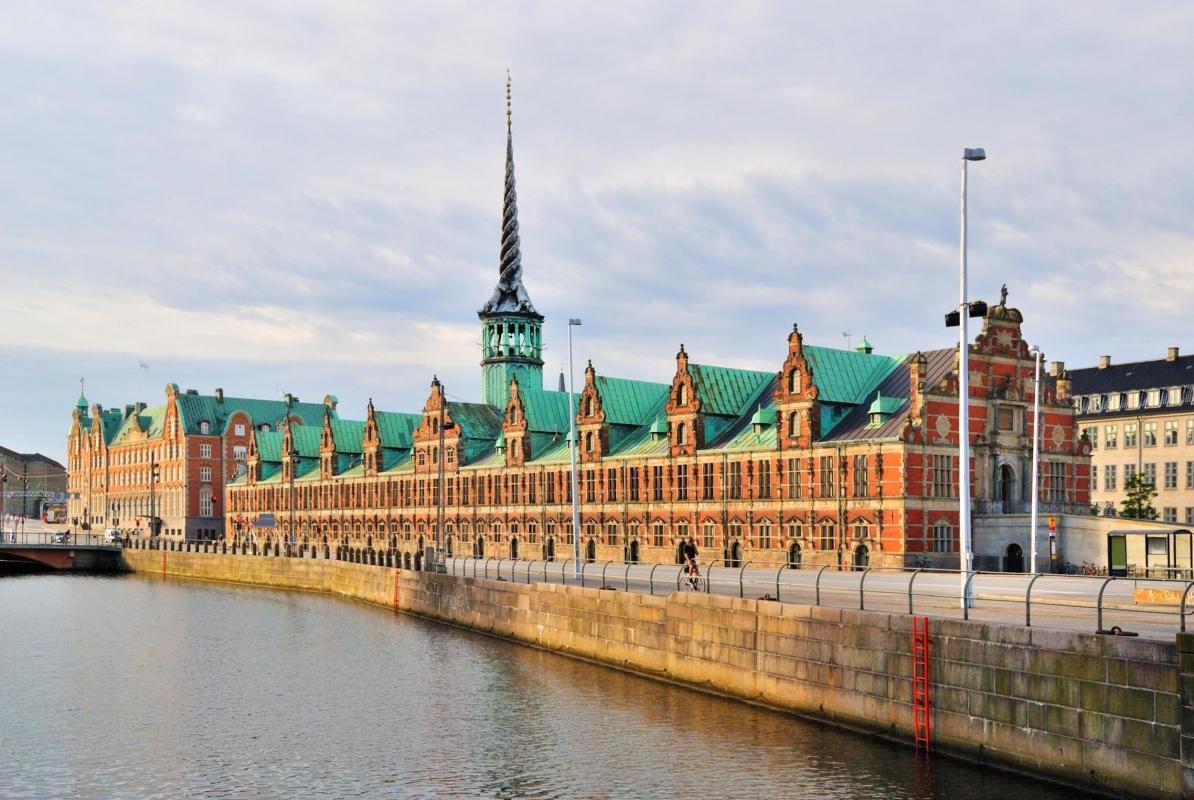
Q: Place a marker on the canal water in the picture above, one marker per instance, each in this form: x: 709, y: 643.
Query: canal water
x: 134, y: 687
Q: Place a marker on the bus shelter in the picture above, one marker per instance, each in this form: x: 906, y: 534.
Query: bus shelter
x: 1151, y: 553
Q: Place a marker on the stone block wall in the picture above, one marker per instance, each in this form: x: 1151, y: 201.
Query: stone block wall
x: 1100, y: 712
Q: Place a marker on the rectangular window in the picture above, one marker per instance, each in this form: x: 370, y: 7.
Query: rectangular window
x: 205, y: 450
x: 793, y: 477
x: 765, y: 536
x: 239, y: 452
x: 657, y: 534
x: 533, y: 487
x: 1055, y: 482
x: 1133, y: 401
x: 205, y: 474
x: 942, y: 537
x: 657, y: 482
x: 551, y: 487
x: 1130, y: 434
x: 1129, y: 471
x: 1154, y: 398
x: 1092, y: 433
x: 1169, y: 514
x: 1150, y: 434
x: 1190, y: 431
x: 826, y: 474
x: 709, y: 534
x: 707, y: 481
x: 735, y: 480
x: 240, y: 430
x: 1094, y: 478
x: 1170, y: 474
x: 765, y: 480
x: 1150, y: 473
x: 681, y: 481
x: 611, y: 484
x: 1111, y: 436
x: 827, y: 536
x: 1171, y: 432
x: 1190, y: 474
x: 860, y: 476
x: 634, y: 485
x: 451, y: 491
x: 1190, y: 515
x: 205, y: 504
x: 1007, y: 419
x: 590, y: 486
x: 943, y: 476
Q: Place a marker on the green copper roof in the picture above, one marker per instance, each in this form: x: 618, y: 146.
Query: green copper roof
x: 627, y: 402
x: 846, y: 376
x: 347, y: 435
x: 269, y: 445
x: 886, y: 405
x: 476, y: 420
x: 547, y: 412
x: 196, y: 408
x: 82, y: 404
x: 395, y: 428
x: 305, y: 439
x: 725, y: 391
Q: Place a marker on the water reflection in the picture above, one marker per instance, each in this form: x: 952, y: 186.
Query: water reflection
x: 136, y: 687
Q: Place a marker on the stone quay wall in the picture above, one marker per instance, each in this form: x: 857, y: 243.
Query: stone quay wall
x: 1105, y: 713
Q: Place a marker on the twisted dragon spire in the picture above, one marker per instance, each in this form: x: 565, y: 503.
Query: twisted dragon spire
x: 509, y: 294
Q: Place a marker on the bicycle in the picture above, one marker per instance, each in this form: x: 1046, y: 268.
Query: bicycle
x: 691, y: 580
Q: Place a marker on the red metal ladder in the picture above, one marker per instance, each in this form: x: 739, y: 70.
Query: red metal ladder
x: 921, y: 715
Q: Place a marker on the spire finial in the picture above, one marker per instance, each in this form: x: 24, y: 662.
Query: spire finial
x: 509, y: 294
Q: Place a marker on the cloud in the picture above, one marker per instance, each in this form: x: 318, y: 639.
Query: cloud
x: 309, y: 194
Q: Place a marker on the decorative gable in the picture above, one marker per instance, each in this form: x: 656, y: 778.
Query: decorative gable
x: 430, y: 436
x: 686, y: 425
x: 371, y: 443
x: 591, y: 431
x: 327, y: 446
x: 797, y: 409
x: 514, y: 428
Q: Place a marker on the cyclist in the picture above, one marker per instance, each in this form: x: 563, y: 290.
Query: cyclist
x: 690, y: 557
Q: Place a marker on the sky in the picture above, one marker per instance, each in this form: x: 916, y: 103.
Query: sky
x: 306, y: 196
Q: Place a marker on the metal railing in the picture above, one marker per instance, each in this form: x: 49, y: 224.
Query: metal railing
x: 64, y: 539
x: 1157, y: 607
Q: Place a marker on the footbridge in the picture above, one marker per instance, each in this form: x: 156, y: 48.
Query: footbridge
x: 44, y: 551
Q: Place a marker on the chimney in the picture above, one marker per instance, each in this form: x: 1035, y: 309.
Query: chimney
x: 918, y: 365
x: 1104, y: 362
x: 1057, y: 368
x: 1171, y: 354
x: 219, y: 395
x: 128, y: 411
x: 140, y: 407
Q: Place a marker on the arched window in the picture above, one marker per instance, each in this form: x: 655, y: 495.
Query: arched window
x: 793, y: 424
x: 589, y: 442
x: 205, y: 427
x: 264, y: 427
x: 681, y: 434
x: 589, y: 406
x: 435, y: 424
x: 794, y: 381
x: 682, y: 395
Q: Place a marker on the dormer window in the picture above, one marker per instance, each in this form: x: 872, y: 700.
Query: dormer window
x: 205, y: 427
x: 264, y: 427
x: 794, y: 381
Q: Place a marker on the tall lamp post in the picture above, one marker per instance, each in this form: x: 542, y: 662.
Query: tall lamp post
x: 154, y: 471
x: 440, y: 563
x: 1036, y: 452
x: 572, y: 430
x: 965, y: 310
x: 294, y: 463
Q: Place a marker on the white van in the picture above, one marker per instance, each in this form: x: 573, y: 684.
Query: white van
x: 112, y: 535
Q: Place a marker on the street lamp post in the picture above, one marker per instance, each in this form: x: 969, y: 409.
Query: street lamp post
x: 153, y: 506
x: 572, y: 430
x: 439, y: 560
x: 965, y: 308
x: 294, y: 462
x: 1036, y: 452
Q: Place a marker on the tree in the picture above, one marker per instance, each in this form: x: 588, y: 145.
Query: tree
x: 1139, y: 503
